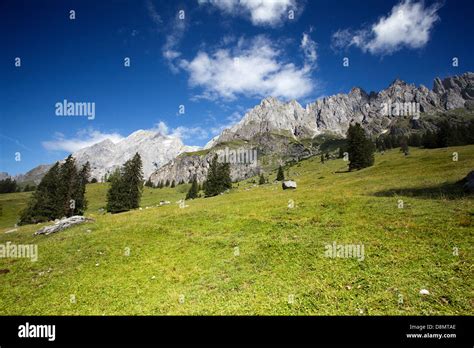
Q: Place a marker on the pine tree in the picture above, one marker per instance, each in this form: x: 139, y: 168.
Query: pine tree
x: 360, y: 148
x: 225, y: 182
x: 193, y: 190
x: 45, y: 203
x: 218, y: 178
x: 173, y: 184
x: 167, y: 184
x: 68, y: 183
x: 117, y: 195
x: 429, y: 140
x: 80, y: 192
x: 280, y: 174
x: 261, y: 180
x: 126, y: 186
x: 322, y: 158
x: 133, y: 176
x: 148, y: 183
x: 8, y: 185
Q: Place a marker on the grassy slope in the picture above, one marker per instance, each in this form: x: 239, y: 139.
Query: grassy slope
x: 191, y: 251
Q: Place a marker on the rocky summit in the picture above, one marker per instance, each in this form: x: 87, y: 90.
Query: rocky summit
x: 154, y: 148
x: 335, y: 113
x: 276, y: 128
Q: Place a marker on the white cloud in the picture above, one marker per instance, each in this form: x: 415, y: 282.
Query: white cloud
x: 309, y: 48
x: 409, y: 24
x: 252, y: 68
x: 155, y: 17
x: 170, y: 48
x: 82, y: 139
x: 260, y: 12
x: 173, y: 32
x: 181, y: 132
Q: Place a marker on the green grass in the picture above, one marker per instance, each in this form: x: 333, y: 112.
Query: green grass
x: 190, y: 251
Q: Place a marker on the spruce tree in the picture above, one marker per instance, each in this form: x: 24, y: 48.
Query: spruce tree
x: 133, y: 176
x: 117, y: 193
x: 45, y: 203
x: 68, y: 184
x: 148, y: 183
x: 360, y: 148
x: 193, y: 190
x: 429, y: 140
x: 261, y: 180
x: 126, y: 186
x: 322, y: 158
x: 80, y: 192
x: 218, y: 178
x: 280, y: 174
x: 173, y: 184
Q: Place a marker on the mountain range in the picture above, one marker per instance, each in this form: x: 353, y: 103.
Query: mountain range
x: 281, y: 131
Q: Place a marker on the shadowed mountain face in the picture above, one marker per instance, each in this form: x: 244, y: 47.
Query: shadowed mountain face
x: 276, y: 128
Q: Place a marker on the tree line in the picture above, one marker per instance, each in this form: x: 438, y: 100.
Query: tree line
x: 445, y: 135
x: 60, y: 193
x: 9, y: 185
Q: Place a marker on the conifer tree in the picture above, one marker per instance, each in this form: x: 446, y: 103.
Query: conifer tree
x: 126, y: 186
x: 280, y: 174
x: 45, y: 203
x: 67, y: 185
x: 133, y: 176
x: 360, y: 148
x: 148, y: 183
x: 116, y: 195
x: 218, y: 178
x: 193, y: 190
x: 261, y: 180
x: 80, y: 192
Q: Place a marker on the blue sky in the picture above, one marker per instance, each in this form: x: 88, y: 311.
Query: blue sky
x: 217, y: 59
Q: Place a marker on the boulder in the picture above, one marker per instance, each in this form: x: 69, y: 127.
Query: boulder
x: 62, y: 224
x: 288, y: 184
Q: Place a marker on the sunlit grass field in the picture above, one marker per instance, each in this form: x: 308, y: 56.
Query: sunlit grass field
x: 247, y: 253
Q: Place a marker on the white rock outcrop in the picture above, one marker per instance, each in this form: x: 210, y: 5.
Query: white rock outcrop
x: 62, y: 224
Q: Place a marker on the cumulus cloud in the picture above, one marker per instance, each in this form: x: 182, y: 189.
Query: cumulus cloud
x: 252, y: 68
x: 260, y: 12
x: 409, y: 25
x: 181, y: 132
x: 82, y: 139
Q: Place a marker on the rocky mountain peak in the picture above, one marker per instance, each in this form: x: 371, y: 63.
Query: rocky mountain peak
x: 398, y: 82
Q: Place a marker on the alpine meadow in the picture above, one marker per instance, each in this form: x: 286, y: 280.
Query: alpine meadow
x: 214, y: 158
